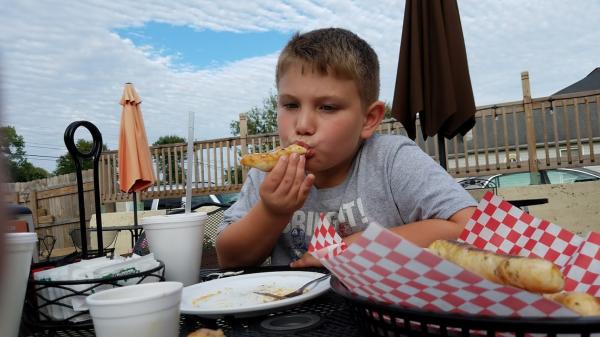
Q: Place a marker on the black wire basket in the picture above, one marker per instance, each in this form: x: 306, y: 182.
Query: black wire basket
x: 39, y: 306
x: 381, y: 319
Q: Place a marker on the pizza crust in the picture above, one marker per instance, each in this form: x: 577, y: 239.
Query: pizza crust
x: 266, y: 161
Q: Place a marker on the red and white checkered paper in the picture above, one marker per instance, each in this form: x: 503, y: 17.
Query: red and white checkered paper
x: 500, y: 227
x: 384, y: 267
x: 326, y: 238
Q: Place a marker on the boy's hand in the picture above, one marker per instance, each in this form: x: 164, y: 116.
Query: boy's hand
x: 286, y: 187
x: 307, y: 260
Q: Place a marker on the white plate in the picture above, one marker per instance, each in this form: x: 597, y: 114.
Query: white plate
x: 235, y: 295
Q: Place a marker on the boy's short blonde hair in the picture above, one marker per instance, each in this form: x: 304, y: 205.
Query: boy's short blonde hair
x: 338, y: 51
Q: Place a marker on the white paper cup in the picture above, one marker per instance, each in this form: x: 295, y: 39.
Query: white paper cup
x: 17, y: 254
x: 176, y: 240
x: 150, y: 309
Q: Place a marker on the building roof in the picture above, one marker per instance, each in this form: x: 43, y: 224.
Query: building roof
x: 588, y: 83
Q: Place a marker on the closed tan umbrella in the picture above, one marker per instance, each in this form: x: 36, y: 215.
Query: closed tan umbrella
x: 433, y: 73
x: 135, y: 164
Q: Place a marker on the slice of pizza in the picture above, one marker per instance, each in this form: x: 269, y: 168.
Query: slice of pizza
x: 266, y: 161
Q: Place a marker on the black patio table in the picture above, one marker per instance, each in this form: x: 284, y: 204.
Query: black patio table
x: 325, y: 316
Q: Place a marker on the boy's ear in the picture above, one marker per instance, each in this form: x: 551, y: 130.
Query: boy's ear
x: 375, y: 114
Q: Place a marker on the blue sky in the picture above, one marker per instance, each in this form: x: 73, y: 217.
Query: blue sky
x: 205, y: 48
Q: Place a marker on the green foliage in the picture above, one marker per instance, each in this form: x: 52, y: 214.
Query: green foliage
x: 65, y: 163
x: 230, y: 179
x: 388, y: 110
x: 260, y: 120
x: 163, y: 165
x: 169, y: 139
x: 28, y: 172
x: 12, y: 146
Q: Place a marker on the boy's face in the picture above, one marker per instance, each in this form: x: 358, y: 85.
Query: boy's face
x: 326, y: 113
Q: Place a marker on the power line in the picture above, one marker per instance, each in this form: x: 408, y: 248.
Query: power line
x: 48, y: 147
x: 35, y: 143
x: 40, y: 156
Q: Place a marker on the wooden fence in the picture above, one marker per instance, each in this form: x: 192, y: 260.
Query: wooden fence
x: 54, y: 204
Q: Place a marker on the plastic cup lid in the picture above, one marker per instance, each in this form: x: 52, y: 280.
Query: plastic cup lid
x: 20, y: 238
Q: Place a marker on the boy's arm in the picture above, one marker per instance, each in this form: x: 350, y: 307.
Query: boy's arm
x: 422, y: 233
x: 250, y: 240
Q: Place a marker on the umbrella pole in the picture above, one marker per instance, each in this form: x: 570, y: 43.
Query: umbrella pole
x: 442, y: 151
x: 135, y: 218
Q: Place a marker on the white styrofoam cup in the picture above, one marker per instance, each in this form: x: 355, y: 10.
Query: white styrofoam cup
x: 149, y: 309
x: 176, y: 240
x: 18, y: 250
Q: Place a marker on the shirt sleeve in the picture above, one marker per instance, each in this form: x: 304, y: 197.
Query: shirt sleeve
x: 248, y: 197
x: 422, y: 189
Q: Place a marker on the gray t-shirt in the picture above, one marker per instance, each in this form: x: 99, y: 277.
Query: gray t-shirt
x: 391, y: 182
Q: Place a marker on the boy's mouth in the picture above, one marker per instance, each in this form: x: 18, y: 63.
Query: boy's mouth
x: 310, y: 152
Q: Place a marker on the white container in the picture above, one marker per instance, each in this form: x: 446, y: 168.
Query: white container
x: 18, y: 251
x: 150, y: 309
x: 176, y: 240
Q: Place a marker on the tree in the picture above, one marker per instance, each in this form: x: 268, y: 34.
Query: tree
x: 260, y: 120
x: 169, y: 139
x: 65, y: 163
x: 388, y: 111
x: 12, y: 146
x: 175, y: 165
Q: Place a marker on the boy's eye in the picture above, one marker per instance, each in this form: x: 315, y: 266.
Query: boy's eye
x: 328, y: 107
x: 290, y: 105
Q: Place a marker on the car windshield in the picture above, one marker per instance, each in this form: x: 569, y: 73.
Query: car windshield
x: 569, y: 177
x: 515, y: 179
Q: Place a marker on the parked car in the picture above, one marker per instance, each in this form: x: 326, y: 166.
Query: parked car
x: 550, y: 176
x: 197, y: 201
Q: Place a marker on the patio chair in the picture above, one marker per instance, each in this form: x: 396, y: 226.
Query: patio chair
x: 108, y: 238
x: 46, y: 246
x: 477, y: 187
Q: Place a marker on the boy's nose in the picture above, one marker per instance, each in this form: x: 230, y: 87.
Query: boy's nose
x: 305, y: 123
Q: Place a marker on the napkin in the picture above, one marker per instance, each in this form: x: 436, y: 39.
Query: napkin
x: 385, y: 267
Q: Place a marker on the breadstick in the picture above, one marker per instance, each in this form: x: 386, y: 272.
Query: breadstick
x: 581, y: 303
x: 532, y: 274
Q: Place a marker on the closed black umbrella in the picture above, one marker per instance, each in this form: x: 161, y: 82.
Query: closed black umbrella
x: 433, y: 74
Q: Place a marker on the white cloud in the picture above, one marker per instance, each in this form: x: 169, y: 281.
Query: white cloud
x: 62, y: 62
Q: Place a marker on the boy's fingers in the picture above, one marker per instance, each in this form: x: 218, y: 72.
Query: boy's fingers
x: 307, y: 260
x: 307, y: 184
x: 274, y: 177
x: 300, y: 172
x: 288, y: 177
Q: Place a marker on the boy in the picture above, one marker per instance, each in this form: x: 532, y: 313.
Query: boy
x: 328, y: 87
